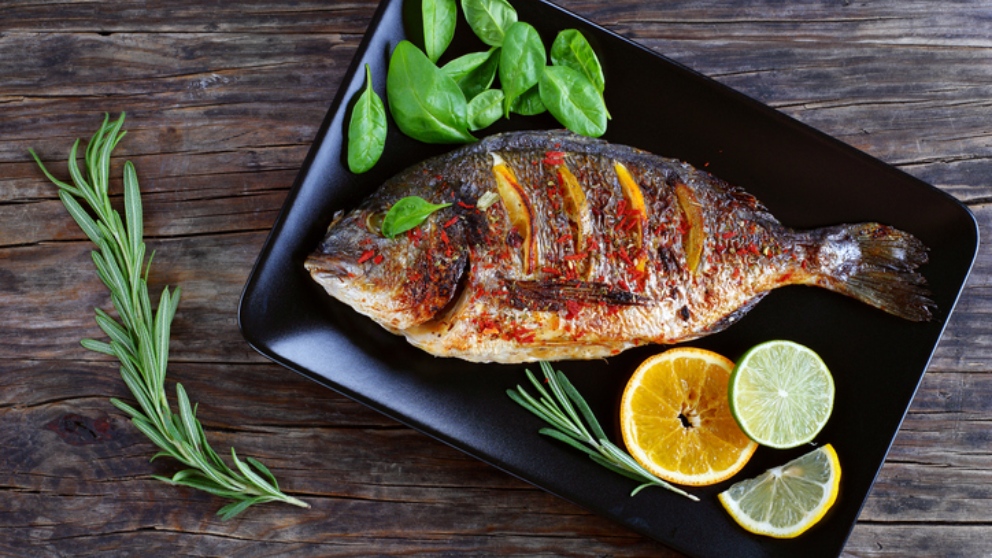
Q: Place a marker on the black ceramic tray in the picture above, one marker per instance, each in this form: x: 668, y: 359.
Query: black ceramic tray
x: 807, y: 180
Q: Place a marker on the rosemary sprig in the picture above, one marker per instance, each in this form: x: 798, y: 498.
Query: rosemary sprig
x: 139, y: 339
x: 575, y: 424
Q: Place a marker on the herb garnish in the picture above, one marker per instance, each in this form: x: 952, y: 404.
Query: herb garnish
x: 140, y: 338
x: 446, y: 104
x: 407, y: 213
x: 366, y: 129
x: 575, y: 424
x: 440, y: 17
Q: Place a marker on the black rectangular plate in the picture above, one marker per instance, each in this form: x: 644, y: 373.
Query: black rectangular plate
x: 806, y: 178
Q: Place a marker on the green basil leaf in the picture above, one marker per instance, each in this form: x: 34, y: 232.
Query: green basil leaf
x: 529, y: 104
x: 426, y: 103
x: 489, y: 19
x: 572, y: 50
x: 367, y: 129
x: 520, y: 64
x: 440, y: 17
x: 484, y: 109
x: 474, y: 72
x: 573, y: 100
x: 407, y: 213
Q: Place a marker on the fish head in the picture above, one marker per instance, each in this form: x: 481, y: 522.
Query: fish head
x: 399, y: 282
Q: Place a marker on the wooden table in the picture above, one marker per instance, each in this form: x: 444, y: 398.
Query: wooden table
x: 223, y: 100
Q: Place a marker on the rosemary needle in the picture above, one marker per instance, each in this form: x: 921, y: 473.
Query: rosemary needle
x: 574, y: 423
x: 139, y: 337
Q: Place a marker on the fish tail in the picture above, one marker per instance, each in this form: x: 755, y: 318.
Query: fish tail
x: 876, y: 264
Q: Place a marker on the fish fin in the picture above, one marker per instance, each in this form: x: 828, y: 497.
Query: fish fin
x: 551, y: 295
x: 877, y: 264
x: 732, y: 318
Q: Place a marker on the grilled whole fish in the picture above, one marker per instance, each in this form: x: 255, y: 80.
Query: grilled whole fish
x: 558, y: 246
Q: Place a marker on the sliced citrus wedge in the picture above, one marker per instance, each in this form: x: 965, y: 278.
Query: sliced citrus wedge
x: 781, y: 394
x: 676, y: 420
x: 783, y: 502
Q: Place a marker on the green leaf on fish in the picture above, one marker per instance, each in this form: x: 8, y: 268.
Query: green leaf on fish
x: 408, y: 213
x: 367, y: 129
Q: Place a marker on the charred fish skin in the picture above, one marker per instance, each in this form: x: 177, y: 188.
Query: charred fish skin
x: 559, y: 246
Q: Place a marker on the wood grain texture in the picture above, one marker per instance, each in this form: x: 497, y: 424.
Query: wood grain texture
x: 223, y: 100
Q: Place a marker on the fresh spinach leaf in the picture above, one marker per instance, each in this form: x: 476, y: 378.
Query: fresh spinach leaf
x: 367, y: 129
x: 440, y: 17
x: 572, y: 50
x: 489, y: 19
x: 426, y: 103
x: 484, y: 109
x: 408, y: 213
x: 529, y: 104
x: 520, y: 64
x: 474, y: 72
x: 573, y: 100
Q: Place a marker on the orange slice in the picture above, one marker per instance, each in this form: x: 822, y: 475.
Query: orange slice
x: 676, y: 418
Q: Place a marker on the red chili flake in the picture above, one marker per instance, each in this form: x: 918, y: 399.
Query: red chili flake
x: 621, y: 223
x: 753, y: 249
x: 630, y: 224
x: 450, y: 222
x: 464, y: 205
x: 728, y: 234
x: 366, y: 256
x: 378, y: 259
x: 438, y: 177
x: 622, y: 208
x: 572, y: 309
x: 592, y: 245
x: 564, y: 238
x: 625, y: 257
x: 550, y: 271
x: 447, y: 243
x: 574, y: 257
x: 623, y: 285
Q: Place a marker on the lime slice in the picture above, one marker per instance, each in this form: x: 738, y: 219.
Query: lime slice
x: 783, y: 502
x: 781, y: 394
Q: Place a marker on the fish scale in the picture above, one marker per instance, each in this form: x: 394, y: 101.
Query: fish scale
x: 587, y: 249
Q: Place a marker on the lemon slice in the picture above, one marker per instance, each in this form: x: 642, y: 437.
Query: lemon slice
x: 676, y: 419
x: 783, y: 502
x: 781, y: 394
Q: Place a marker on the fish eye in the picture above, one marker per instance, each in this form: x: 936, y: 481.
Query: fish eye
x: 373, y: 221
